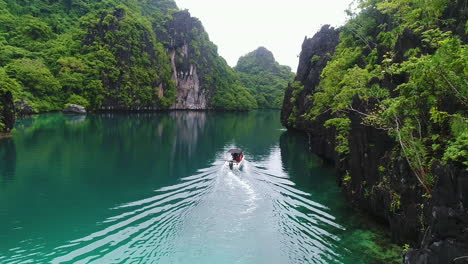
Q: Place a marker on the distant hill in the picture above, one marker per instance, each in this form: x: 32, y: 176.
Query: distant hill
x: 266, y: 78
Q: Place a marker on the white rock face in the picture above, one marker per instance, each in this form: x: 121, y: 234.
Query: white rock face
x: 189, y: 93
x: 75, y: 109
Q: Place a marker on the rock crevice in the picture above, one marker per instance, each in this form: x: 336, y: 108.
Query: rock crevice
x: 190, y: 95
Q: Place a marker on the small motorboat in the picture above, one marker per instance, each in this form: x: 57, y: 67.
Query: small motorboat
x: 237, y: 159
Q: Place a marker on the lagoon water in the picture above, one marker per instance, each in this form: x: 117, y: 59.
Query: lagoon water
x: 154, y: 188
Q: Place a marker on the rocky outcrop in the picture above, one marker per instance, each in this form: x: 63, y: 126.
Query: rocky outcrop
x: 203, y: 78
x: 190, y: 94
x: 445, y: 239
x: 74, y: 109
x: 23, y: 109
x: 315, y: 54
x: 374, y: 177
x: 135, y: 84
x: 183, y: 63
x: 7, y: 111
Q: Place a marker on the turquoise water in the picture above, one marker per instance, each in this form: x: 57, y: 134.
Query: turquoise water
x: 154, y: 188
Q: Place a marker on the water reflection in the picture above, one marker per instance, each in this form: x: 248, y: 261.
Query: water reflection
x: 190, y: 126
x: 75, y: 119
x: 357, y: 239
x: 255, y: 216
x: 7, y: 159
x: 68, y: 170
x: 153, y: 188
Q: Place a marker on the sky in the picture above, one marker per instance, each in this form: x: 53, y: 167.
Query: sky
x: 238, y: 27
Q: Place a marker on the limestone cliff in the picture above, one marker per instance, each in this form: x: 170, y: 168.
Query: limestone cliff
x: 189, y: 93
x: 320, y: 47
x: 203, y: 79
x: 375, y: 176
x: 132, y: 55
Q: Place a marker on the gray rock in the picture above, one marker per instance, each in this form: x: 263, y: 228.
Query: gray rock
x: 24, y: 109
x: 190, y: 94
x: 75, y: 109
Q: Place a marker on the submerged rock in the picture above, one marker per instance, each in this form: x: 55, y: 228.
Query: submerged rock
x: 75, y: 109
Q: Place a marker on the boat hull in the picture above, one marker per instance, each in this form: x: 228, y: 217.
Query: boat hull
x: 233, y: 165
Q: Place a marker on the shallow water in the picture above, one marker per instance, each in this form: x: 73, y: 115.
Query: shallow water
x: 154, y: 188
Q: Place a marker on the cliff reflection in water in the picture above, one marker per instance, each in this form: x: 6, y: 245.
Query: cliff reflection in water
x: 190, y: 126
x: 360, y: 240
x: 153, y: 188
x: 177, y: 142
x: 7, y: 159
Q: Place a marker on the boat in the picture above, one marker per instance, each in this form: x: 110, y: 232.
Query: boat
x: 237, y: 159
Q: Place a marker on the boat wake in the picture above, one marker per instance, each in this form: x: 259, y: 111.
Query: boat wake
x: 141, y: 229
x: 251, y: 216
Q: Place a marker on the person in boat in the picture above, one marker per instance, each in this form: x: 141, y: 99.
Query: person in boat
x: 236, y: 155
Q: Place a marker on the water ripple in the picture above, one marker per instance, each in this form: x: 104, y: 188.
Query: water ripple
x: 253, y: 216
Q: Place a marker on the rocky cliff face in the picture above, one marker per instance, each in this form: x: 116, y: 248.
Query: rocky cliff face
x: 374, y: 177
x: 7, y: 111
x: 203, y: 79
x: 190, y: 94
x: 445, y: 237
x: 315, y: 54
x: 136, y: 55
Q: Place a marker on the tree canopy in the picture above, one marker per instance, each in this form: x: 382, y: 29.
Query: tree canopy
x: 406, y: 62
x: 104, y: 54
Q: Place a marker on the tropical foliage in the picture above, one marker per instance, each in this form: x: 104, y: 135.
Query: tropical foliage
x: 266, y: 79
x: 401, y: 66
x: 111, y: 54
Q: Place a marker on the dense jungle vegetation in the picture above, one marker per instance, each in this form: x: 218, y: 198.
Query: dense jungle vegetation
x: 401, y: 65
x: 264, y: 76
x: 102, y: 54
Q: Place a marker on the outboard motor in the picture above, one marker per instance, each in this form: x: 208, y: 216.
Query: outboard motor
x: 231, y: 164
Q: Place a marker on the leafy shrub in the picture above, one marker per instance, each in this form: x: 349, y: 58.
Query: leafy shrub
x: 78, y: 100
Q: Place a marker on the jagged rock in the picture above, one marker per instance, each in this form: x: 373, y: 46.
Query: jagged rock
x: 446, y: 238
x: 320, y: 46
x: 381, y: 182
x: 75, y: 109
x: 190, y: 94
